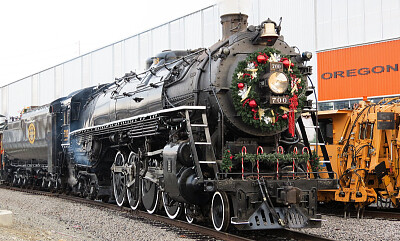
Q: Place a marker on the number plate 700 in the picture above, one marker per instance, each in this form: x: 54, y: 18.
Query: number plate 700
x: 278, y: 100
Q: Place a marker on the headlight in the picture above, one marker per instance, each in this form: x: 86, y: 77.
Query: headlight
x: 278, y: 82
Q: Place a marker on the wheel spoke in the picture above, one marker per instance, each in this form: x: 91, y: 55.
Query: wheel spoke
x: 133, y: 192
x: 119, y: 181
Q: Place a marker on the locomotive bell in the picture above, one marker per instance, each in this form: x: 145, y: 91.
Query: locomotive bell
x: 268, y: 31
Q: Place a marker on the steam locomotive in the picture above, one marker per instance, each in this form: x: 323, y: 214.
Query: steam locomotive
x: 208, y: 132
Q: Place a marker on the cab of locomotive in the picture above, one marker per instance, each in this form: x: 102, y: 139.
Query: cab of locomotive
x: 70, y: 113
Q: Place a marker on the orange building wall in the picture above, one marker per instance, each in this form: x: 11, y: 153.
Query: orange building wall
x: 368, y: 70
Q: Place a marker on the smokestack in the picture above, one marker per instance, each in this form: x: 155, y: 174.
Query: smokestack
x: 233, y: 23
x: 233, y: 16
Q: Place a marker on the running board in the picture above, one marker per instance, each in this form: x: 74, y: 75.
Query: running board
x: 143, y: 120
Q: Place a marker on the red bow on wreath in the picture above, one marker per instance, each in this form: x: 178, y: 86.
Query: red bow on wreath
x: 292, y: 108
x: 255, y: 111
x: 245, y: 102
x: 246, y: 74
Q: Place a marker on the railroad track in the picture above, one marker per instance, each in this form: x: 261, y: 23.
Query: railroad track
x: 182, y: 228
x: 386, y: 214
x: 382, y: 214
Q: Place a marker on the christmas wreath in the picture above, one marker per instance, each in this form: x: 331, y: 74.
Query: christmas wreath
x: 246, y: 78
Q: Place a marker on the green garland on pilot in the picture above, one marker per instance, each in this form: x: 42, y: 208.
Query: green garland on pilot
x: 271, y: 159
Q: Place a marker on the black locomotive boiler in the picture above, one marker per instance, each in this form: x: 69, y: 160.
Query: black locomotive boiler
x: 208, y: 132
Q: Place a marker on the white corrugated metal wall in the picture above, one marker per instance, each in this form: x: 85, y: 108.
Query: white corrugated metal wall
x: 200, y: 29
x: 310, y: 25
x: 342, y: 23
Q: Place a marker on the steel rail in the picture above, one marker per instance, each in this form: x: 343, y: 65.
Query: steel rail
x: 390, y: 215
x: 369, y: 212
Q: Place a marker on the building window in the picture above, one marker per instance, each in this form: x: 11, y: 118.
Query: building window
x: 325, y: 106
x: 340, y: 105
x: 346, y: 104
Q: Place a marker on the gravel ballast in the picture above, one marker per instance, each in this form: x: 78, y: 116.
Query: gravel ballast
x: 47, y: 218
x: 339, y: 228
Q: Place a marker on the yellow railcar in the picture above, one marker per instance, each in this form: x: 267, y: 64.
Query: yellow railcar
x: 364, y: 150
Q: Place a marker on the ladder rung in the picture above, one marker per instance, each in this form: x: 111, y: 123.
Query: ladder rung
x: 314, y: 127
x: 318, y: 144
x: 199, y: 125
x: 324, y: 161
x: 207, y: 162
x: 202, y: 143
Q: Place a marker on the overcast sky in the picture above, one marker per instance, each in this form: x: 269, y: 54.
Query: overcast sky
x: 38, y: 34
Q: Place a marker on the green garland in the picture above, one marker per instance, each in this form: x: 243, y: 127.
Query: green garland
x: 270, y: 158
x: 226, y: 164
x: 251, y: 116
x: 314, y: 162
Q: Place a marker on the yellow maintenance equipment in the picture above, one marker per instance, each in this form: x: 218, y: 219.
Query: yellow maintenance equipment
x: 364, y: 150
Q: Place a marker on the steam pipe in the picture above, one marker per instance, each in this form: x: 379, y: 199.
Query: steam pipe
x: 182, y: 76
x: 290, y: 142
